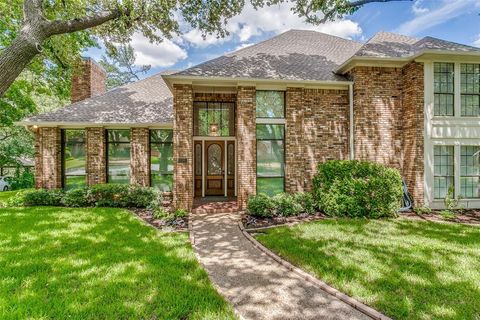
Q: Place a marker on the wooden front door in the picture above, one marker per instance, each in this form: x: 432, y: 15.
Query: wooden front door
x: 214, y: 168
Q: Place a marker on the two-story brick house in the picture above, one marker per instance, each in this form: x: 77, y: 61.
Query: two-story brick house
x: 260, y: 119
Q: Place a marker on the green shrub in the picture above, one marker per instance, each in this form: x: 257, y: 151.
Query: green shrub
x: 357, y: 189
x: 260, y: 205
x: 17, y: 200
x: 140, y: 197
x: 180, y: 213
x: 285, y: 205
x: 422, y: 210
x: 76, y: 198
x: 160, y: 213
x: 108, y: 195
x: 306, y: 201
x: 41, y: 197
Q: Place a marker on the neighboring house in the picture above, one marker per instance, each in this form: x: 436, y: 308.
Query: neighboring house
x: 260, y: 120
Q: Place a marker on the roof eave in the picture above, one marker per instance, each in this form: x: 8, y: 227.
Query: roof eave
x: 239, y: 81
x: 347, y: 65
x: 74, y: 124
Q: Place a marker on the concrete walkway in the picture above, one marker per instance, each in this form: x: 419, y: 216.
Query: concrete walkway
x: 258, y: 286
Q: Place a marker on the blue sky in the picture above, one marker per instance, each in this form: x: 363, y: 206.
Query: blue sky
x: 453, y: 20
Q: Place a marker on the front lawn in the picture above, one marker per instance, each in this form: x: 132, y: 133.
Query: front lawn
x: 403, y: 268
x: 98, y: 263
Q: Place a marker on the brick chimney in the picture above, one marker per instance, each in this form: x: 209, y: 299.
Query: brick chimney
x: 88, y: 80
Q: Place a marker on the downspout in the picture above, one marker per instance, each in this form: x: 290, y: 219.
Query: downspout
x: 351, y: 140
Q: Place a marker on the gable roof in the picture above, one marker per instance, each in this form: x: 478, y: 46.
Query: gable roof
x: 292, y: 55
x: 386, y: 44
x: 145, y: 101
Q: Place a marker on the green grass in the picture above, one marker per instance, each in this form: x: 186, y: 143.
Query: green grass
x: 5, y: 195
x: 58, y: 263
x: 403, y: 268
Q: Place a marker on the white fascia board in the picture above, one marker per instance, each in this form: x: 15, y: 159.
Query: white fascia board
x: 64, y: 124
x: 254, y: 82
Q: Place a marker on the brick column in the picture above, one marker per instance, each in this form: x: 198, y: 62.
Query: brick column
x: 183, y: 146
x: 413, y: 128
x: 48, y: 159
x: 96, y: 156
x: 294, y: 140
x: 246, y: 145
x: 140, y: 160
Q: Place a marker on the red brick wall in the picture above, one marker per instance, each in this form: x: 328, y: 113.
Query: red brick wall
x: 316, y: 131
x: 96, y: 156
x: 140, y: 157
x: 246, y: 145
x: 183, y: 146
x: 413, y: 129
x: 378, y: 114
x: 88, y: 81
x: 48, y: 160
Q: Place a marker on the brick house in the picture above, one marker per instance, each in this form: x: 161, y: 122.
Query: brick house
x: 261, y: 118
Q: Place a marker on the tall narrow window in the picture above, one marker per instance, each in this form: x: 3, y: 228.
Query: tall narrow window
x: 270, y: 112
x: 73, y: 155
x: 443, y: 170
x: 470, y: 89
x: 161, y: 159
x: 470, y: 171
x: 443, y: 87
x: 118, y: 151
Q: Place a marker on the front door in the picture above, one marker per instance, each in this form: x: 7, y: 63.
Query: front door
x: 214, y: 171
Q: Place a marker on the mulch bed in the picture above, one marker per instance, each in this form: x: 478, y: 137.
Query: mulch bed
x: 469, y: 216
x: 179, y: 224
x: 253, y: 222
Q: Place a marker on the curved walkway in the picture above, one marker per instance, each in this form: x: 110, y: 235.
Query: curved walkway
x: 258, y: 286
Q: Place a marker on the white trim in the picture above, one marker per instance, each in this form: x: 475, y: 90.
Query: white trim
x: 351, y: 119
x: 75, y: 125
x: 454, y: 131
x: 270, y: 120
x: 200, y: 138
x: 236, y: 167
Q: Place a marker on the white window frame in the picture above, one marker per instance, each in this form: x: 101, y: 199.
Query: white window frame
x: 453, y: 130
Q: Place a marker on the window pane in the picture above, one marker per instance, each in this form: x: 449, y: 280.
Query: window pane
x: 119, y: 156
x: 270, y: 104
x: 161, y: 135
x: 161, y: 159
x: 270, y: 162
x: 214, y: 119
x: 443, y: 170
x: 270, y: 131
x: 270, y: 186
x: 118, y: 135
x: 470, y: 89
x: 470, y: 171
x: 444, y: 89
x: 74, y: 158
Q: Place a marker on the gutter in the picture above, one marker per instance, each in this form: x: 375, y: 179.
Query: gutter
x: 67, y: 124
x: 351, y: 119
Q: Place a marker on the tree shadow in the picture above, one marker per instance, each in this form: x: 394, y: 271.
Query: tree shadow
x: 98, y: 263
x: 406, y: 269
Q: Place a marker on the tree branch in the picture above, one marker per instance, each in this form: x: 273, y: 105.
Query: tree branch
x: 32, y: 10
x: 60, y: 26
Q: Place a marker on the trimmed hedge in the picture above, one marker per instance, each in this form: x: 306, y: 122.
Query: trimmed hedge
x: 354, y: 188
x: 101, y: 195
x: 282, y: 204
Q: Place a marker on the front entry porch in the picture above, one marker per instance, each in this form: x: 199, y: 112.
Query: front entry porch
x: 215, y: 204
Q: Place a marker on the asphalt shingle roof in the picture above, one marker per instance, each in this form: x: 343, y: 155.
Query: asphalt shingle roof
x: 293, y: 55
x: 145, y: 101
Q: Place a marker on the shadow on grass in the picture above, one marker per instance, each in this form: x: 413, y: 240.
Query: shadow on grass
x: 98, y: 263
x: 406, y: 269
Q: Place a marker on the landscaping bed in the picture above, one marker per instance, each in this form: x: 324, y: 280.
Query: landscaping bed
x: 404, y: 268
x: 252, y: 222
x: 166, y: 224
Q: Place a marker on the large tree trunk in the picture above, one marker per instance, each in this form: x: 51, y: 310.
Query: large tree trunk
x: 17, y: 56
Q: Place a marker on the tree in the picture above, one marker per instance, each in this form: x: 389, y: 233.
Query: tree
x: 117, y: 20
x: 119, y: 63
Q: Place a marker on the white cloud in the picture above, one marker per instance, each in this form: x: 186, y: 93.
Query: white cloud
x: 274, y: 19
x: 476, y: 43
x: 164, y: 54
x: 243, y: 45
x: 448, y: 10
x: 417, y: 8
